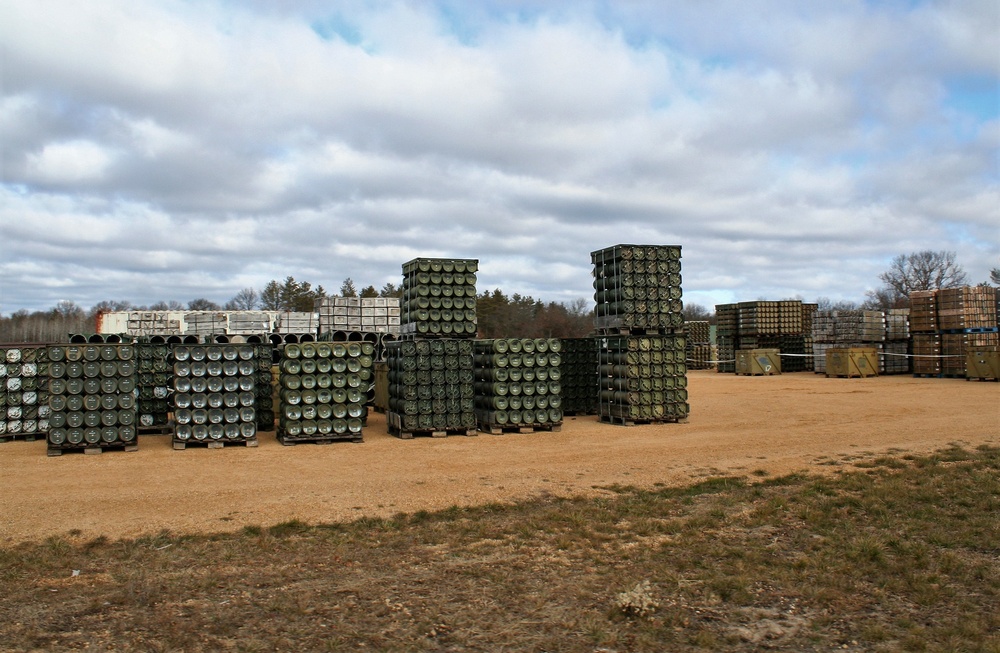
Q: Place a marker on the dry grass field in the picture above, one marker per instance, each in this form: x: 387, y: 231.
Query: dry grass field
x: 790, y: 513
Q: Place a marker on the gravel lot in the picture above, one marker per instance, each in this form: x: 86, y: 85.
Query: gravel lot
x: 739, y: 425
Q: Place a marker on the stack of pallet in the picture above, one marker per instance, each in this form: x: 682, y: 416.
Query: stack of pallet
x: 896, y: 349
x: 808, y: 318
x: 206, y: 323
x: 518, y: 384
x: 298, y: 322
x: 431, y: 373
x: 358, y: 314
x: 727, y: 336
x: 844, y: 329
x: 24, y: 409
x: 926, y: 342
x: 214, y: 398
x: 640, y: 326
x: 764, y: 325
x: 948, y: 324
x: 439, y: 298
x: 147, y: 323
x: 248, y: 323
x: 322, y: 393
x: 699, y: 345
x: 580, y: 380
x: 91, y: 398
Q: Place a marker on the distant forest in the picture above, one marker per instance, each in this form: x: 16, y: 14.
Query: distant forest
x: 499, y: 315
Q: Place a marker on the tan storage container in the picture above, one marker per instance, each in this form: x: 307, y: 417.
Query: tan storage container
x: 983, y: 364
x: 853, y: 361
x: 758, y: 362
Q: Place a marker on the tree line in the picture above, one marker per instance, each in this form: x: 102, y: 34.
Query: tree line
x: 499, y: 315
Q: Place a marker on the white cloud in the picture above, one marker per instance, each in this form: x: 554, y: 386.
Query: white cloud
x: 792, y: 149
x: 70, y: 162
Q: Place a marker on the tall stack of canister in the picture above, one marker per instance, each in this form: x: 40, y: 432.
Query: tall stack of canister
x: 264, y: 401
x: 91, y: 398
x: 949, y: 323
x: 24, y: 409
x: 580, y: 376
x: 323, y: 391
x: 154, y: 381
x: 643, y: 373
x: 431, y: 375
x: 518, y: 384
x: 214, y: 398
x: 439, y: 298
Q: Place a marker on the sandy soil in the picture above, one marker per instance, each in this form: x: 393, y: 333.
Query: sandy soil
x: 738, y: 425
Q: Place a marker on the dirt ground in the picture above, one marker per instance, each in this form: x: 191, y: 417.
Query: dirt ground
x: 739, y: 425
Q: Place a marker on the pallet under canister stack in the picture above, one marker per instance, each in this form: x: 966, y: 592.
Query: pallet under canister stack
x: 431, y: 374
x: 640, y: 326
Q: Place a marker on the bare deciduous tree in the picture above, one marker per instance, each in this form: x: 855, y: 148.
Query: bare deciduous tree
x: 926, y: 270
x: 245, y: 300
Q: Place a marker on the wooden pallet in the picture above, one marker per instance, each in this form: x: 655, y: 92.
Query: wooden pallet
x: 92, y: 449
x: 850, y: 376
x: 630, y: 421
x: 26, y: 437
x: 320, y: 439
x: 500, y: 429
x: 159, y: 429
x: 638, y: 331
x: 214, y: 444
x: 433, y: 433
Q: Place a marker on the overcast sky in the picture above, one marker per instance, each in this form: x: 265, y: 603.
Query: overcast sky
x: 176, y: 150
